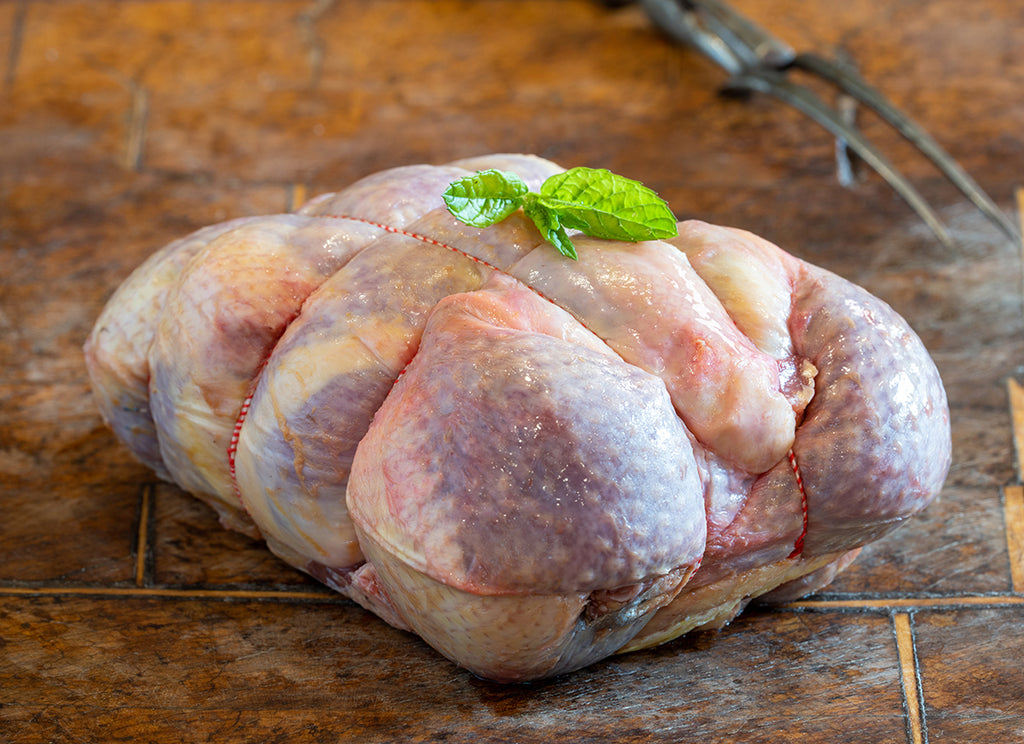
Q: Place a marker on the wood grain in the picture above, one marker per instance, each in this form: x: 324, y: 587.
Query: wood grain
x: 206, y: 664
x: 971, y: 675
x: 128, y: 614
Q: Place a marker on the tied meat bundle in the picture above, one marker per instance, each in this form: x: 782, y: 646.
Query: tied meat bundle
x: 531, y: 462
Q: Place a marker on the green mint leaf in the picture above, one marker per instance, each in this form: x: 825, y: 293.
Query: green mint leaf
x: 550, y: 227
x: 605, y: 205
x: 593, y: 201
x: 485, y: 198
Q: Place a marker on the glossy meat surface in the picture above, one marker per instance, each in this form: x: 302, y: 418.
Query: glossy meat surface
x: 531, y: 462
x: 489, y: 467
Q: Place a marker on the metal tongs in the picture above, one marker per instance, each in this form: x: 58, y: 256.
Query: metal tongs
x: 758, y: 62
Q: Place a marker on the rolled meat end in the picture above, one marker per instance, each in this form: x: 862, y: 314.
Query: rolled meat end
x: 872, y: 449
x: 117, y: 349
x: 491, y: 475
x: 873, y: 446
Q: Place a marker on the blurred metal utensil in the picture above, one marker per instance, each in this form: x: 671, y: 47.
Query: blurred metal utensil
x: 757, y: 61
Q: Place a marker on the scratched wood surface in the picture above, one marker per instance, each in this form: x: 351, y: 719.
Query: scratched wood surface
x: 127, y: 614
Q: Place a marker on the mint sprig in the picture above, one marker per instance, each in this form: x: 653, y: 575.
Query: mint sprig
x: 594, y: 201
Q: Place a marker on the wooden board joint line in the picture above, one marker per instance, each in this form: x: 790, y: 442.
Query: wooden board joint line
x: 913, y: 700
x: 1013, y: 514
x: 142, y: 541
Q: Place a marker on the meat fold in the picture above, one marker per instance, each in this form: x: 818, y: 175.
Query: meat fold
x: 530, y: 462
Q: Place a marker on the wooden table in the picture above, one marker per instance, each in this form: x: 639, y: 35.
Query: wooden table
x: 127, y: 614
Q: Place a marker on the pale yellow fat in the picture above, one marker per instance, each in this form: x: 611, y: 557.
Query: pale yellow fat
x: 715, y: 604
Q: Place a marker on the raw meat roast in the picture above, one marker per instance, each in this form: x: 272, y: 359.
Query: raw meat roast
x: 531, y: 462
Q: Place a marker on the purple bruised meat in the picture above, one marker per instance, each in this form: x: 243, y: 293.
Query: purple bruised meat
x: 529, y: 461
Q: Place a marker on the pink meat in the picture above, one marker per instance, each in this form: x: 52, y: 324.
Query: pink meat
x: 531, y: 462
